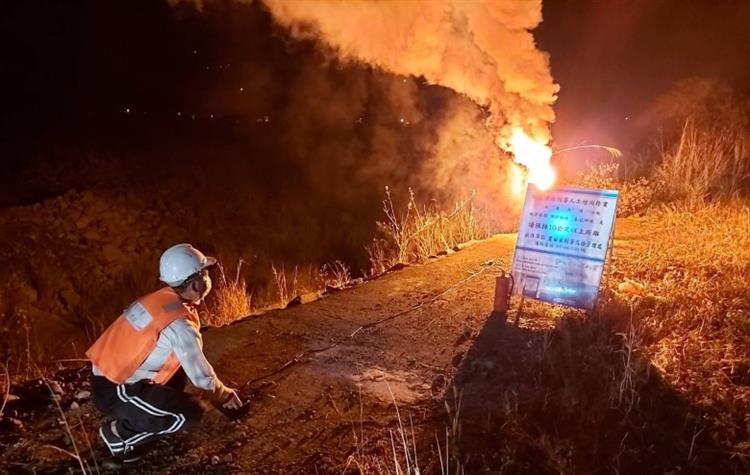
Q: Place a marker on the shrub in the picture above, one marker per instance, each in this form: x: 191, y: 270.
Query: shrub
x: 636, y: 195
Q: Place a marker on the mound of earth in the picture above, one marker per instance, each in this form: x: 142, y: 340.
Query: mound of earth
x: 68, y: 259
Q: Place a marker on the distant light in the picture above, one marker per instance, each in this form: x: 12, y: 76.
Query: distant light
x: 127, y: 110
x: 212, y: 116
x: 179, y: 114
x: 242, y: 89
x: 208, y: 68
x: 195, y: 51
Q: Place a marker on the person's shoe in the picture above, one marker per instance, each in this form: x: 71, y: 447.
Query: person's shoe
x: 110, y: 437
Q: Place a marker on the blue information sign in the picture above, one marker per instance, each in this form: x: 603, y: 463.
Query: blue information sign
x: 562, y: 244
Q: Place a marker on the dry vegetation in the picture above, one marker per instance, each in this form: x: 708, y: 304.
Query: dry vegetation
x: 702, y: 155
x: 657, y: 378
x: 708, y: 162
x: 681, y: 307
x: 693, y: 310
x: 418, y: 233
x: 636, y: 195
x: 403, y: 238
x: 231, y: 299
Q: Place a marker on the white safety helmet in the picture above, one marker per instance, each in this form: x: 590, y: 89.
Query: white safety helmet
x: 180, y: 262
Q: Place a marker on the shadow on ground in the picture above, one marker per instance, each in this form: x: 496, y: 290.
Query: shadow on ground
x: 571, y: 399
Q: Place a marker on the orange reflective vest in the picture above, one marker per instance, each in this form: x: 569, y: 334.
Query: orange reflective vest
x: 126, y: 344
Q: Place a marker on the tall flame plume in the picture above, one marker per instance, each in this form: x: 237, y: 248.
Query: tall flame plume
x: 535, y: 156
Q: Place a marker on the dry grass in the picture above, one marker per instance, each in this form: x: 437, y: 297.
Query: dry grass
x: 626, y: 395
x: 6, y: 388
x: 694, y: 307
x: 421, y: 232
x: 398, y: 450
x: 336, y: 275
x: 231, y: 299
x: 707, y: 162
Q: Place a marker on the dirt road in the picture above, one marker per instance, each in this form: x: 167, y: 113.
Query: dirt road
x: 314, y: 407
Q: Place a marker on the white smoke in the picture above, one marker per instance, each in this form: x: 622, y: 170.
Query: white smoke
x: 483, y: 49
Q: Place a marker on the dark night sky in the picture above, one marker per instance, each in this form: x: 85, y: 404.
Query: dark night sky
x: 612, y: 58
x: 72, y: 68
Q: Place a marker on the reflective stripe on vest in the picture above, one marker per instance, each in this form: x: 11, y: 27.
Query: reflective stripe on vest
x: 131, y: 338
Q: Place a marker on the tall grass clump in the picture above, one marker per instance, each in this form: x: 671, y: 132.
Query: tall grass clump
x: 419, y: 232
x: 336, y: 275
x: 704, y: 154
x: 231, y: 299
x: 708, y: 162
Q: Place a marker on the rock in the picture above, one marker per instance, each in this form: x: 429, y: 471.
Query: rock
x: 69, y: 298
x: 113, y: 253
x: 92, y: 235
x: 97, y: 208
x: 83, y: 222
x: 631, y: 287
x: 295, y: 301
x: 227, y: 458
x: 439, y: 382
x: 215, y: 460
x: 56, y: 388
x: 10, y: 423
x: 457, y: 359
x: 82, y: 395
x: 465, y: 331
x: 74, y: 406
x: 23, y: 290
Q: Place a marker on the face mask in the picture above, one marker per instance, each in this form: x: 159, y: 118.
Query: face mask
x: 206, y: 286
x: 201, y: 286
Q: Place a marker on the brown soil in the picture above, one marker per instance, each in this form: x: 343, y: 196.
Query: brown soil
x: 534, y: 398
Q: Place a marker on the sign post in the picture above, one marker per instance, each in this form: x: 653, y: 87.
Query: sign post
x: 563, y: 237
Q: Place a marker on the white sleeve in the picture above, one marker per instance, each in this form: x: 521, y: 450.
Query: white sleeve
x: 187, y: 345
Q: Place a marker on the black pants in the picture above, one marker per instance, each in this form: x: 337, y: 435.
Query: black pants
x: 145, y: 411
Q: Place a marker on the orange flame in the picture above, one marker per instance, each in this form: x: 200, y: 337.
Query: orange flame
x: 535, y: 156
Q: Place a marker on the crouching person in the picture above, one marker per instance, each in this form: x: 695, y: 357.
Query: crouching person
x: 141, y: 362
